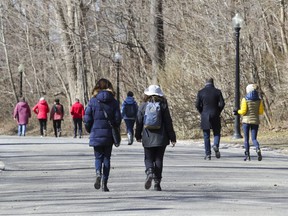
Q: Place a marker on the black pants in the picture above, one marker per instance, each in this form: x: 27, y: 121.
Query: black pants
x: 43, y: 125
x: 77, y: 125
x: 154, y: 159
x: 57, y: 127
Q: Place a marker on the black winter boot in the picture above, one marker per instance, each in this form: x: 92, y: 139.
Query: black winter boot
x: 259, y: 154
x: 217, y: 152
x: 247, y: 156
x: 97, y: 183
x: 104, y: 186
x: 157, y: 186
x: 149, y: 178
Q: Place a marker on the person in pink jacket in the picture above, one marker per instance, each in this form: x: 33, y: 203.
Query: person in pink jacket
x: 22, y: 113
x: 42, y: 110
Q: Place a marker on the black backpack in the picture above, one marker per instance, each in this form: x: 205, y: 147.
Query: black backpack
x: 58, y: 108
x: 130, y: 110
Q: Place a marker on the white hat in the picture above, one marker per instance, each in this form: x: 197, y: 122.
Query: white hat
x: 250, y: 88
x: 42, y: 98
x: 154, y: 90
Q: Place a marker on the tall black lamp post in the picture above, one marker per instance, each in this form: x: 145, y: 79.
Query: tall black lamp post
x: 21, y: 70
x: 237, y: 22
x: 118, y: 59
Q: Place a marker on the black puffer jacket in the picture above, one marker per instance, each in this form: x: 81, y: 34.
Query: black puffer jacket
x: 155, y: 137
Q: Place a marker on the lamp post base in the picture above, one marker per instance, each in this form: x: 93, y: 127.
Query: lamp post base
x: 237, y: 136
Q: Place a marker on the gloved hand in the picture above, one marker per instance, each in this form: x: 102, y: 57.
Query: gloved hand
x: 173, y: 144
x: 235, y: 112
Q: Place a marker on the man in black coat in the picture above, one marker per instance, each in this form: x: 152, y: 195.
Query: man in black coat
x: 210, y: 104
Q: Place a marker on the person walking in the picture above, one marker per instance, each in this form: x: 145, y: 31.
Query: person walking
x: 251, y: 107
x: 56, y: 115
x: 154, y: 135
x: 77, y: 112
x: 21, y: 114
x: 42, y: 109
x: 96, y: 123
x: 129, y: 111
x: 210, y: 104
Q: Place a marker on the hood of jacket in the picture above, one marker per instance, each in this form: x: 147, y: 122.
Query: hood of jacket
x: 23, y: 104
x: 252, y: 96
x: 43, y: 102
x: 105, y: 96
x: 130, y: 100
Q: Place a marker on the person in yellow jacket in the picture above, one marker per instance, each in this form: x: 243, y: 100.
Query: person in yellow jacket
x: 250, y: 109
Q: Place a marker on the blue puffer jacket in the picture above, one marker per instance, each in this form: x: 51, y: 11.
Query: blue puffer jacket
x: 94, y: 119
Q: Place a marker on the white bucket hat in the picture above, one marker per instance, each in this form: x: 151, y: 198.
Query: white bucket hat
x: 250, y: 88
x: 154, y: 90
x: 42, y: 98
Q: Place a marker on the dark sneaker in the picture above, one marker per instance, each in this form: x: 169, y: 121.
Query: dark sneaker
x: 259, y: 154
x: 217, y: 152
x: 247, y: 156
x: 207, y: 157
x: 148, y: 181
x: 104, y: 186
x: 130, y: 139
x: 97, y: 184
x: 157, y: 187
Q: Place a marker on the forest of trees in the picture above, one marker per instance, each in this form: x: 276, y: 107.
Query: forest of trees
x: 62, y: 47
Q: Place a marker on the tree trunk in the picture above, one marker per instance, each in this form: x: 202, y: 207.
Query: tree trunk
x: 157, y: 39
x: 282, y: 24
x: 68, y: 46
x: 7, y: 56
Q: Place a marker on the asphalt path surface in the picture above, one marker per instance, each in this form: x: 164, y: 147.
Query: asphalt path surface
x: 55, y: 176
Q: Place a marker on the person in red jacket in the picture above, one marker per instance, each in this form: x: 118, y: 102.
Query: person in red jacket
x: 57, y: 114
x: 77, y: 112
x: 42, y: 109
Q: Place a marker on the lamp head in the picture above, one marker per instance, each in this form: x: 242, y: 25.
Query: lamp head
x: 237, y: 21
x: 117, y: 57
x: 21, y: 68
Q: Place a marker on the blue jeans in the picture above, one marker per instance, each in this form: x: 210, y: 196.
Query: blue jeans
x: 130, y: 126
x: 102, y: 159
x: 22, y: 130
x: 254, y: 132
x: 216, y: 134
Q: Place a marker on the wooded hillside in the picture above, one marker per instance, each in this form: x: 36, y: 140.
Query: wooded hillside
x: 64, y: 46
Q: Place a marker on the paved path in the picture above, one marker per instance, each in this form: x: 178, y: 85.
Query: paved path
x: 49, y: 176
